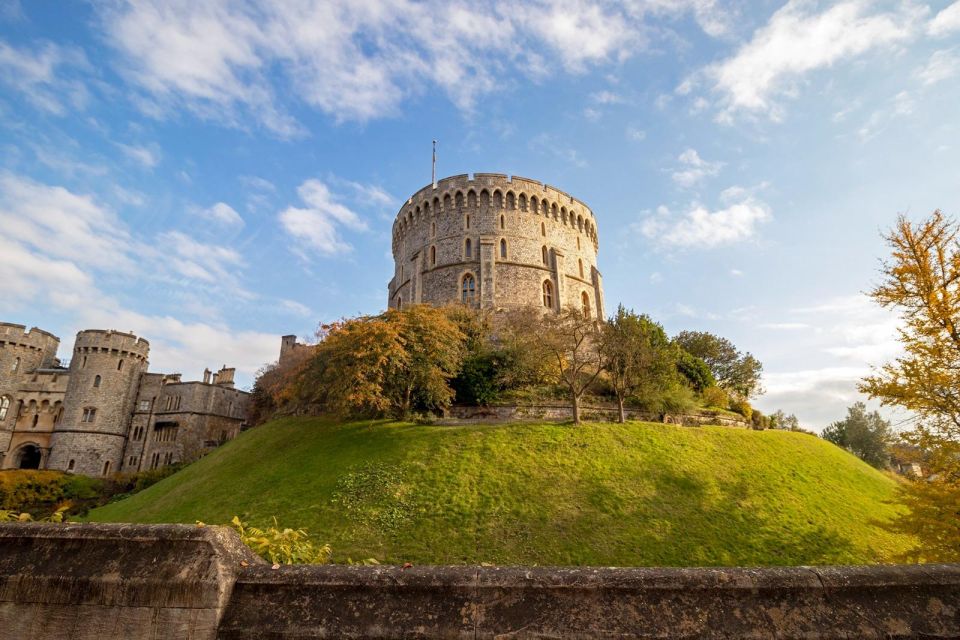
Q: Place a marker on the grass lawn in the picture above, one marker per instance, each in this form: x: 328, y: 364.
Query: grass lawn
x: 637, y: 494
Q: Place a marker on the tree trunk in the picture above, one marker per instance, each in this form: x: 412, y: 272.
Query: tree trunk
x: 622, y: 415
x: 576, y: 409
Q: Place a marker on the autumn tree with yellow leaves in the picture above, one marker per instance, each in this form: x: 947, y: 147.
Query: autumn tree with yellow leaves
x: 922, y: 282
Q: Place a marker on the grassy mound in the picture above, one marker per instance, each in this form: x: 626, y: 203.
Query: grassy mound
x: 601, y: 494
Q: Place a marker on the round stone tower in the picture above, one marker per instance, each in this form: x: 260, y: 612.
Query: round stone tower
x: 20, y: 351
x: 496, y: 242
x: 105, y: 374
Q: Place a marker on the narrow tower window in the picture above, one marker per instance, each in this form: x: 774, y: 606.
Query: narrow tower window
x: 433, y: 256
x: 468, y: 248
x: 433, y: 229
x: 543, y: 229
x: 106, y: 467
x: 96, y: 382
x: 71, y: 465
x: 467, y: 224
x: 545, y: 255
x: 548, y: 294
x: 585, y: 301
x: 16, y: 365
x: 580, y: 264
x: 503, y: 248
x: 120, y: 366
x: 4, y: 407
x: 503, y: 222
x: 468, y: 288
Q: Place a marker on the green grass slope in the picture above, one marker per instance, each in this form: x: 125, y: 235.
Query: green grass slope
x: 600, y: 494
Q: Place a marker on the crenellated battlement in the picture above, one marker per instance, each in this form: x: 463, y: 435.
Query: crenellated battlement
x: 104, y: 340
x: 483, y: 192
x: 18, y: 335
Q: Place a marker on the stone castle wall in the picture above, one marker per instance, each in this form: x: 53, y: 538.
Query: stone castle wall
x: 510, y: 235
x: 105, y: 372
x: 20, y: 351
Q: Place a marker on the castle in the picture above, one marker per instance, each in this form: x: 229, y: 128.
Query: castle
x: 494, y: 242
x: 104, y: 412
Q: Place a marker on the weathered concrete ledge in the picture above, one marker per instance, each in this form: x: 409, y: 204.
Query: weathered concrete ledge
x: 170, y: 581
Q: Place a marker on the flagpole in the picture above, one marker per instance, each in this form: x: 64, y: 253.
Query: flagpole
x: 434, y: 170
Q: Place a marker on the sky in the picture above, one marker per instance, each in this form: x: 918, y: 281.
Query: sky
x: 212, y: 175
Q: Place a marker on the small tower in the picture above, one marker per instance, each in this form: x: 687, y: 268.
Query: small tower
x: 21, y: 351
x: 105, y: 373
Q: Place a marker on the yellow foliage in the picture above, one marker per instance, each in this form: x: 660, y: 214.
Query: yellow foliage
x: 281, y: 546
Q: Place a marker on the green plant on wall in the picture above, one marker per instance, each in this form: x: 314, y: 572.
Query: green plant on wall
x: 282, y: 545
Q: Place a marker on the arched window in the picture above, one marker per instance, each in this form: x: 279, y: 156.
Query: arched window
x: 96, y: 382
x: 89, y: 415
x: 16, y: 365
x: 484, y: 199
x: 523, y: 202
x: 580, y: 264
x: 467, y: 248
x: 433, y: 229
x: 554, y: 211
x: 511, y: 201
x: 503, y: 222
x: 498, y: 200
x: 433, y: 256
x: 399, y: 302
x: 533, y: 204
x: 585, y: 303
x: 468, y: 288
x: 446, y: 202
x: 543, y: 229
x: 459, y: 200
x: 545, y: 255
x: 71, y: 465
x: 548, y: 294
x: 472, y: 199
x: 503, y: 248
x: 83, y: 364
x: 4, y: 407
x: 467, y: 222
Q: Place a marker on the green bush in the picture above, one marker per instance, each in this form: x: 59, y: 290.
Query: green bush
x: 476, y: 384
x: 695, y: 371
x: 41, y: 491
x: 741, y: 406
x: 715, y: 397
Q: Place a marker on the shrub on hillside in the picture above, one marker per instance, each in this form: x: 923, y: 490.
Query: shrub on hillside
x: 695, y: 371
x: 41, y: 491
x: 741, y: 406
x: 281, y: 545
x: 715, y: 397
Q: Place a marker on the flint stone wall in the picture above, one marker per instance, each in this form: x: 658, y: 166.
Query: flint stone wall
x: 599, y: 413
x: 176, y: 581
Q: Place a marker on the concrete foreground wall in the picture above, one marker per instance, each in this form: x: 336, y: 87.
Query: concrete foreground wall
x: 176, y: 581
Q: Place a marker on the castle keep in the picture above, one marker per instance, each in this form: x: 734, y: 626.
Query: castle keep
x: 104, y: 412
x: 494, y: 242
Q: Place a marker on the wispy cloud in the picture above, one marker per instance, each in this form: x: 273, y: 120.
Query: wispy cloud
x: 316, y: 225
x: 945, y: 22
x: 693, y: 169
x: 223, y: 213
x: 942, y: 65
x: 699, y: 227
x: 44, y: 75
x: 148, y: 157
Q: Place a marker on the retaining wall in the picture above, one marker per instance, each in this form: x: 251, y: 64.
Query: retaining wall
x: 177, y: 581
x: 597, y: 412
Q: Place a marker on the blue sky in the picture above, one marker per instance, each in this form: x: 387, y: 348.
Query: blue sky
x: 214, y: 174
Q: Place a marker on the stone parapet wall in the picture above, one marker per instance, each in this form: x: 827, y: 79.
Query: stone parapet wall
x: 559, y: 412
x: 78, y: 582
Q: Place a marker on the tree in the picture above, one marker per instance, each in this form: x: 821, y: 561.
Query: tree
x: 921, y: 280
x: 865, y: 435
x: 734, y: 371
x: 394, y: 363
x: 695, y: 371
x: 781, y: 420
x: 636, y: 353
x: 568, y: 340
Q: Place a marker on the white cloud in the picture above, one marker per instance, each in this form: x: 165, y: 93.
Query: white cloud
x: 231, y: 61
x: 223, y: 213
x: 557, y: 147
x: 41, y: 76
x: 785, y: 326
x: 317, y: 224
x: 145, y: 156
x: 296, y: 308
x: 943, y: 64
x: 198, y: 261
x: 606, y: 97
x: 701, y: 228
x: 797, y: 41
x: 899, y: 105
x: 736, y: 273
x: 945, y: 22
x: 635, y: 134
x: 694, y: 169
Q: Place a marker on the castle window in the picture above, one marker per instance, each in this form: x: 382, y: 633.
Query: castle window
x: 96, y: 382
x: 503, y: 248
x: 144, y: 405
x: 399, y: 302
x: 585, y: 303
x: 498, y: 200
x: 543, y: 229
x: 16, y: 365
x: 71, y: 465
x: 433, y: 256
x: 533, y: 204
x: 459, y: 200
x: 511, y: 201
x: 471, y: 199
x: 433, y: 229
x: 83, y: 363
x: 545, y: 255
x: 580, y: 264
x: 548, y: 294
x: 578, y: 243
x: 106, y: 467
x: 132, y: 461
x: 467, y: 223
x: 89, y: 415
x: 554, y: 210
x: 36, y: 419
x: 484, y: 199
x: 446, y: 202
x: 523, y: 202
x: 468, y: 248
x: 120, y: 365
x: 468, y: 288
x: 4, y: 407
x: 503, y: 222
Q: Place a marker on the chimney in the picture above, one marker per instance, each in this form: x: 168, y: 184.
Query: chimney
x: 206, y: 376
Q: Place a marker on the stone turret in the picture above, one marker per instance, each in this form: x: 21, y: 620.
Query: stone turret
x: 105, y: 372
x: 21, y: 351
x: 494, y: 241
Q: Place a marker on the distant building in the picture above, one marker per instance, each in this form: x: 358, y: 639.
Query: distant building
x: 104, y: 412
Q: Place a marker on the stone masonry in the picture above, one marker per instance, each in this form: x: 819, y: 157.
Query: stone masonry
x: 104, y: 412
x: 494, y: 242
